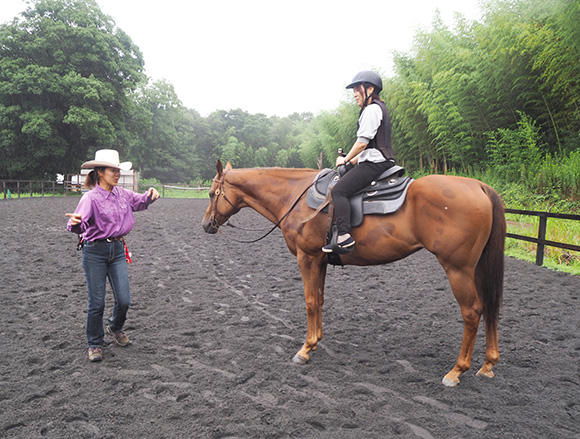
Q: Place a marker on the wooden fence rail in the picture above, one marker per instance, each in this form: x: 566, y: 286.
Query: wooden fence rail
x: 16, y: 188
x: 541, y: 239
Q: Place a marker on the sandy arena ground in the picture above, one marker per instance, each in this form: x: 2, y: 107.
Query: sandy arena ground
x: 215, y: 324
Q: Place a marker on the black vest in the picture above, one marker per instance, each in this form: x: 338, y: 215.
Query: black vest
x: 382, y: 140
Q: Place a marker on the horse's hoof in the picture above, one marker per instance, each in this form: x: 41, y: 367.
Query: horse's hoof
x: 482, y: 373
x: 299, y: 360
x: 447, y: 382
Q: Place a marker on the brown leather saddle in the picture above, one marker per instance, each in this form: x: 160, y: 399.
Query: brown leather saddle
x: 382, y: 196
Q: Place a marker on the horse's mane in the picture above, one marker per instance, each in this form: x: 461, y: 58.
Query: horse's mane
x: 276, y: 172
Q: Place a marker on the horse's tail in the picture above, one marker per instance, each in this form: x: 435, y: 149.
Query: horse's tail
x: 490, y: 268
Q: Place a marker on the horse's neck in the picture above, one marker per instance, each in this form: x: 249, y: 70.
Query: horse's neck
x: 270, y: 191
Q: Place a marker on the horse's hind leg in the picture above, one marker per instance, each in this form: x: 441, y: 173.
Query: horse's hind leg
x: 463, y: 286
x: 491, y: 351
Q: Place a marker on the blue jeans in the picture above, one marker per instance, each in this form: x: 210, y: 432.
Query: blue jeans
x: 102, y: 260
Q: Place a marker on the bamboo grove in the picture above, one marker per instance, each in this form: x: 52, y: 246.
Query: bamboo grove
x: 500, y: 95
x: 497, y: 97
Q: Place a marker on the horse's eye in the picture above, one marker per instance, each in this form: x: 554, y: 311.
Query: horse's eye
x: 212, y: 194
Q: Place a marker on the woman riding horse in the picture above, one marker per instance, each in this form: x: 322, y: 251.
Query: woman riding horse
x: 372, y: 151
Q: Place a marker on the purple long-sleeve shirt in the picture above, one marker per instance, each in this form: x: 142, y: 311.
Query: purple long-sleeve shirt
x: 108, y: 214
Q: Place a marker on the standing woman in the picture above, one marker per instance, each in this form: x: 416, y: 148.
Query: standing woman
x: 103, y: 217
x: 372, y: 151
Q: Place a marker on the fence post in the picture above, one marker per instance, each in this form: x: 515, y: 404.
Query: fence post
x: 163, y: 190
x: 30, y: 186
x: 18, y: 188
x: 541, y: 239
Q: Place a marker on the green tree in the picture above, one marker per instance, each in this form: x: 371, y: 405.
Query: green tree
x: 65, y: 74
x: 233, y: 151
x: 327, y: 133
x: 516, y: 154
x: 166, y: 146
x: 262, y: 158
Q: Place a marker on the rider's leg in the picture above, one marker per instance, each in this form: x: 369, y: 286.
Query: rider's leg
x: 348, y: 185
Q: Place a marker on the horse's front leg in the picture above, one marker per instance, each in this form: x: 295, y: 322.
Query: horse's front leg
x: 313, y: 271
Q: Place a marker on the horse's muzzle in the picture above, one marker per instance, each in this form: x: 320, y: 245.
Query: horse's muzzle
x: 209, y: 227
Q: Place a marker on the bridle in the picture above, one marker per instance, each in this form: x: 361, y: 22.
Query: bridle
x: 214, y: 199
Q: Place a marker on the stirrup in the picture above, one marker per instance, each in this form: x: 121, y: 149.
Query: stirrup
x: 338, y: 249
x: 345, y: 247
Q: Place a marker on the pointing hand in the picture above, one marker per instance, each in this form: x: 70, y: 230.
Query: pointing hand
x: 75, y: 218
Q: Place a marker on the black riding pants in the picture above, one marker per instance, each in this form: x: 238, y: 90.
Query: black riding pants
x: 348, y: 185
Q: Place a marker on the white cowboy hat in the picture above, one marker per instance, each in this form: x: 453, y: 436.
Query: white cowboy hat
x: 107, y: 158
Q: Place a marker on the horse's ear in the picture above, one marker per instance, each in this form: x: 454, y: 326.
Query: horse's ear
x: 219, y: 167
x: 228, y: 166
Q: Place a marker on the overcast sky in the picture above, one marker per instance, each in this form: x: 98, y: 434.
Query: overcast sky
x: 269, y: 56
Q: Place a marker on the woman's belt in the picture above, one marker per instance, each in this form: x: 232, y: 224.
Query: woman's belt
x: 117, y: 239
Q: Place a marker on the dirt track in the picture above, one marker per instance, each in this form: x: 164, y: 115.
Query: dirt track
x: 215, y: 323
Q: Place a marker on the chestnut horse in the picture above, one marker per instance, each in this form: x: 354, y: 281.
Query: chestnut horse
x: 460, y: 220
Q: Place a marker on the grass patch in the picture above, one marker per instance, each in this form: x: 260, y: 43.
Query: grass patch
x: 166, y: 192
x: 557, y: 230
x: 176, y: 190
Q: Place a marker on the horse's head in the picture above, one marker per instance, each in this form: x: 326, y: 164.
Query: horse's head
x: 220, y: 206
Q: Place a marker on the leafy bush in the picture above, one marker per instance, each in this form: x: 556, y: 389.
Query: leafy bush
x: 560, y: 177
x: 514, y: 154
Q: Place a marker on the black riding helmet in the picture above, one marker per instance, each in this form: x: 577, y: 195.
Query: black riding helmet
x: 369, y: 77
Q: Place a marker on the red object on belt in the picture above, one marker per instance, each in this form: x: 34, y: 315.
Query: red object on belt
x: 127, y: 254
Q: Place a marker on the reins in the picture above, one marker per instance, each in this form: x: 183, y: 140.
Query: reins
x: 222, y: 181
x: 233, y: 226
